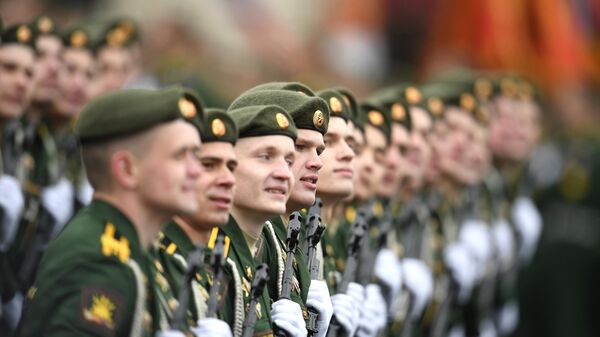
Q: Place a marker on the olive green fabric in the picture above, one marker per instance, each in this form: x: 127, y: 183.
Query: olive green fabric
x: 44, y: 25
x: 127, y: 111
x: 21, y: 34
x: 78, y: 38
x: 275, y: 247
x: 311, y: 113
x: 396, y: 102
x: 86, y: 284
x: 451, y: 94
x: 350, y: 100
x: 263, y: 120
x: 218, y: 127
x: 122, y: 32
x: 290, y: 86
x: 338, y: 106
x: 245, y: 267
x: 378, y: 118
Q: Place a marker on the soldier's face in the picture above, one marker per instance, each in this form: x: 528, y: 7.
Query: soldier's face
x: 419, y: 151
x: 216, y: 185
x: 336, y: 178
x: 369, y: 163
x: 457, y: 133
x: 46, y: 68
x: 514, y: 129
x: 395, y: 167
x: 114, y: 69
x: 75, y: 81
x: 309, y: 146
x: 16, y: 79
x: 478, y: 157
x: 166, y: 175
x: 264, y: 175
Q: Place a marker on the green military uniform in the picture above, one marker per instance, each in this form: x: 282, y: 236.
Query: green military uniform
x: 95, y: 278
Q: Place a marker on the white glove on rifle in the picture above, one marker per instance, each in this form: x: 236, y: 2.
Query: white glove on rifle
x: 287, y: 315
x: 476, y: 237
x: 373, y: 313
x: 212, y: 327
x: 58, y: 200
x: 318, y: 299
x: 389, y: 272
x: 419, y: 281
x: 169, y: 333
x: 345, y: 312
x: 528, y: 222
x: 504, y: 242
x: 462, y: 268
x: 12, y: 203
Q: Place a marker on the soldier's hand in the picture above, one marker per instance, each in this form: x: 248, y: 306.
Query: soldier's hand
x: 11, y: 204
x: 419, y: 281
x: 319, y: 299
x: 345, y: 311
x: 212, y: 327
x: 287, y: 315
x: 373, y: 313
x: 462, y: 269
x: 58, y: 200
x: 389, y: 271
x: 169, y: 333
x: 477, y: 238
x: 528, y: 222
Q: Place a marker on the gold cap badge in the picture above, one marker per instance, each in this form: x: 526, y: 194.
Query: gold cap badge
x: 375, y: 117
x: 483, y: 88
x: 318, y: 119
x: 335, y: 105
x: 45, y: 25
x: 218, y: 127
x: 187, y: 108
x: 282, y: 120
x: 413, y: 95
x: 23, y: 34
x: 467, y: 102
x: 78, y: 39
x: 398, y: 112
x: 435, y: 106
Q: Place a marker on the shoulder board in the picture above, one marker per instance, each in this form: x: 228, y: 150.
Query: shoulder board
x: 113, y: 244
x: 166, y: 244
x: 215, y: 232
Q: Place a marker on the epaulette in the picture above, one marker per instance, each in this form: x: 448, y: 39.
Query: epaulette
x: 114, y: 244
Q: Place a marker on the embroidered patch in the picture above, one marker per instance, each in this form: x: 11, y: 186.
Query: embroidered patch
x: 100, y: 310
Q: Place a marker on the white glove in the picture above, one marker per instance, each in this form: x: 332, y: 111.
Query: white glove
x: 357, y: 293
x: 169, y: 333
x: 504, y: 242
x: 389, y: 271
x: 287, y: 315
x: 57, y: 199
x: 85, y: 191
x: 318, y: 298
x: 462, y: 268
x: 487, y: 329
x: 508, y: 318
x: 344, y: 309
x: 212, y: 327
x: 528, y: 222
x: 476, y: 236
x: 373, y: 313
x: 12, y: 203
x: 419, y: 281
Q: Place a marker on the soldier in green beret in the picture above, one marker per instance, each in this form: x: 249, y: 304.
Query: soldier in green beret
x: 311, y: 116
x: 140, y: 149
x: 264, y: 179
x: 215, y: 189
x: 17, y: 59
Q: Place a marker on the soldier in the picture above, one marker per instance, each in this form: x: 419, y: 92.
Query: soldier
x: 140, y: 149
x: 215, y: 190
x: 17, y: 59
x: 311, y: 116
x: 265, y: 154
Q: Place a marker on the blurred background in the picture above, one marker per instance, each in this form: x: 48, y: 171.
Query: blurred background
x: 222, y: 47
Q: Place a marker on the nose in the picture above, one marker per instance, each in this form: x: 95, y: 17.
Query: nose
x: 194, y: 169
x: 227, y: 179
x: 282, y: 171
x: 314, y: 163
x: 346, y: 153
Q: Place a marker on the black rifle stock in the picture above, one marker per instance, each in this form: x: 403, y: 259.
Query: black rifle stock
x: 217, y: 261
x: 195, y: 260
x: 261, y: 276
x: 315, y: 230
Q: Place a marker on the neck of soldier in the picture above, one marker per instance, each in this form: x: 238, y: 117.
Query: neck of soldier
x: 332, y: 212
x: 146, y: 220
x: 250, y: 221
x: 194, y: 231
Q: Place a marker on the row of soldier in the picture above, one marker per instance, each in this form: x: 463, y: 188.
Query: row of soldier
x: 293, y: 212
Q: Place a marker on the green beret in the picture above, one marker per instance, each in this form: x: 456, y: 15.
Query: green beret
x: 290, y: 86
x: 451, y: 94
x: 127, y: 111
x: 78, y: 38
x: 477, y: 83
x: 376, y: 117
x: 311, y: 113
x: 44, y: 25
x: 338, y: 106
x: 394, y: 103
x: 350, y: 100
x: 119, y: 33
x: 263, y: 120
x: 218, y: 126
x: 19, y: 34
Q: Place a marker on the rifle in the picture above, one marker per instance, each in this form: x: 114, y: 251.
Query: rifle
x: 195, y: 260
x: 314, y: 230
x: 359, y: 230
x: 217, y: 261
x: 291, y: 242
x: 261, y: 276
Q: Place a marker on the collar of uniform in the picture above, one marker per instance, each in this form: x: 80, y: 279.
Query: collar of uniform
x: 239, y: 247
x: 123, y: 225
x: 279, y: 227
x: 179, y: 237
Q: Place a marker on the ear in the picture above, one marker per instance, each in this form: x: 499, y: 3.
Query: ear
x: 123, y: 166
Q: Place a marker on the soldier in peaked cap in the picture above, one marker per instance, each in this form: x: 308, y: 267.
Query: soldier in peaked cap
x: 311, y: 116
x: 215, y: 190
x: 140, y: 149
